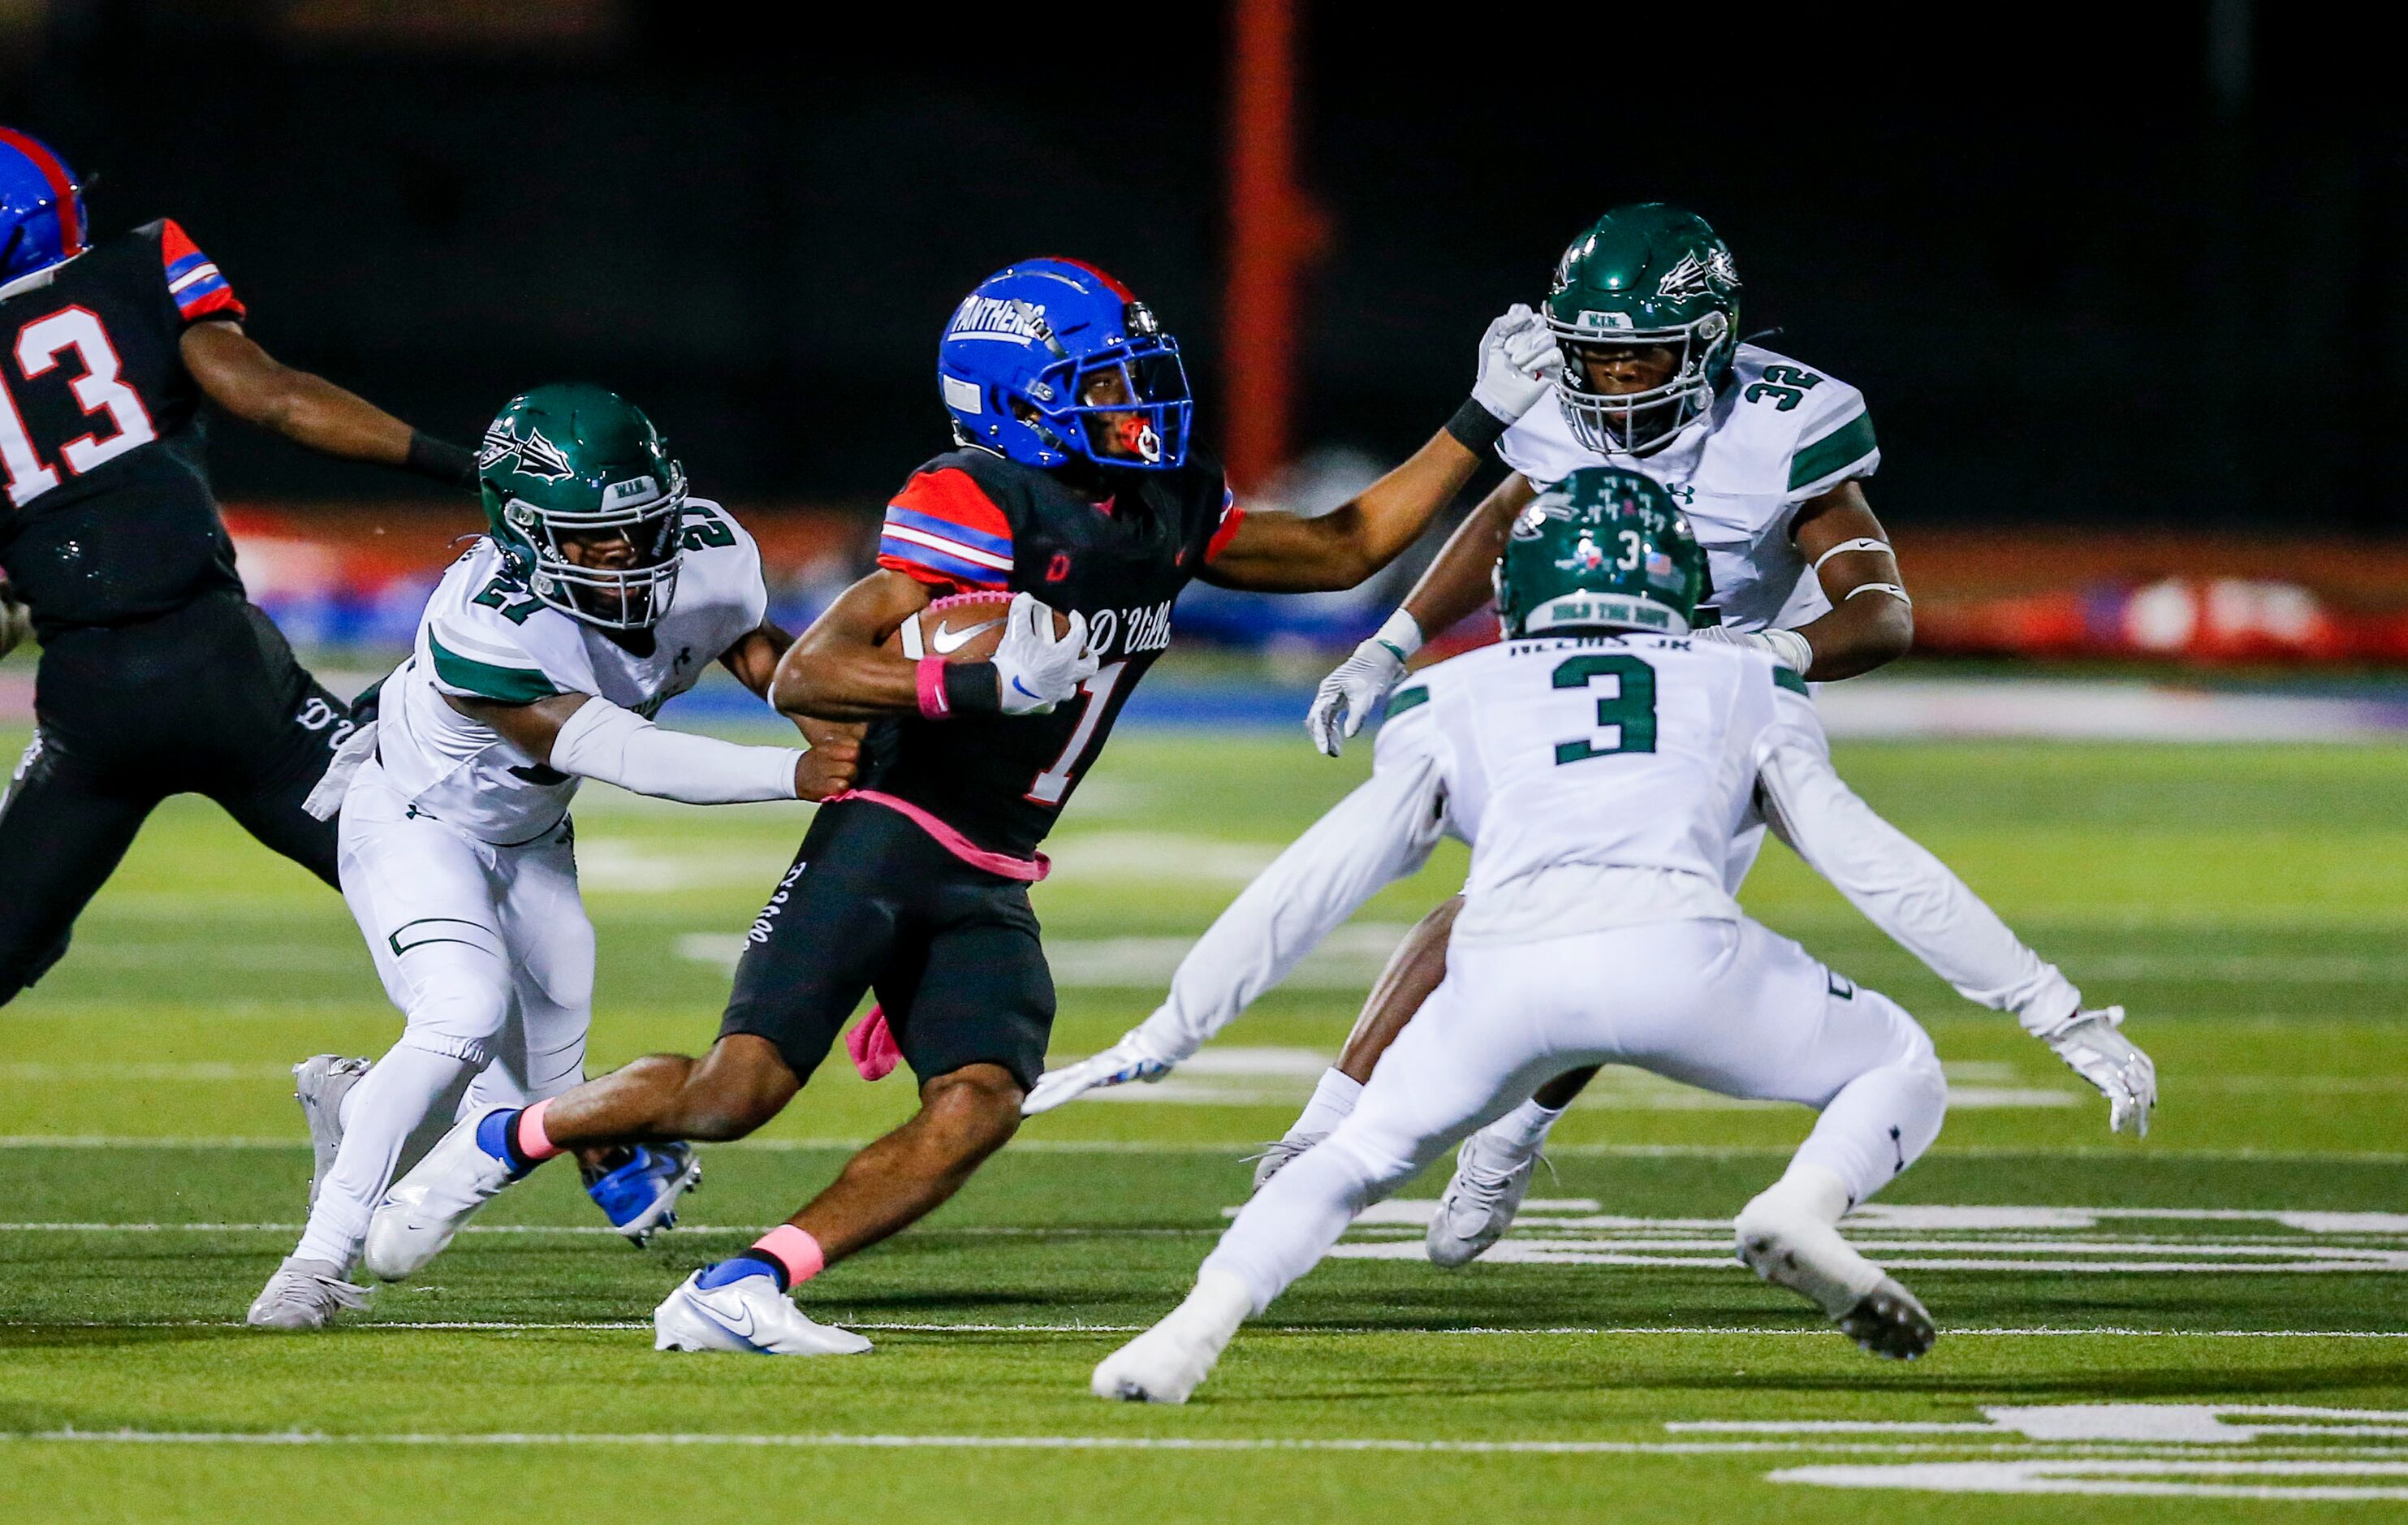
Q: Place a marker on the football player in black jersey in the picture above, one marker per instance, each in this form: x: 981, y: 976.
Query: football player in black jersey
x: 157, y: 676
x: 1073, y: 489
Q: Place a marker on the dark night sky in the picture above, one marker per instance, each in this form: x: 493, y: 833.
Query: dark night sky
x: 2072, y: 291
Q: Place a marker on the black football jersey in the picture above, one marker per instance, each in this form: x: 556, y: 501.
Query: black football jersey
x: 970, y: 521
x: 108, y: 517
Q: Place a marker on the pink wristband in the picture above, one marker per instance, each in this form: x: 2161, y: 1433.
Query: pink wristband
x: 532, y: 1139
x: 793, y: 1249
x: 931, y: 677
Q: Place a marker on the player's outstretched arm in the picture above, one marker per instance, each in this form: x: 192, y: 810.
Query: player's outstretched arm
x: 1282, y: 552
x: 591, y: 738
x: 753, y: 660
x: 1381, y: 833
x: 312, y: 411
x: 1914, y: 897
x: 838, y: 669
x: 1451, y: 588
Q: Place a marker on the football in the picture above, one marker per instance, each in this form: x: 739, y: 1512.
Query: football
x: 960, y: 627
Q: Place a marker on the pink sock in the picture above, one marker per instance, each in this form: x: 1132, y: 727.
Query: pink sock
x: 532, y: 1141
x: 793, y: 1249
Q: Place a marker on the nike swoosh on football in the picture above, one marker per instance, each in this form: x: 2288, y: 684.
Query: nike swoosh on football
x: 946, y: 641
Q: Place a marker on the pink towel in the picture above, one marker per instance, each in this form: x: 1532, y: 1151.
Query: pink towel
x: 871, y: 1044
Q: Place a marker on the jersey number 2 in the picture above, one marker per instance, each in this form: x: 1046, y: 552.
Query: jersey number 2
x: 1630, y: 713
x: 101, y: 389
x: 1053, y: 784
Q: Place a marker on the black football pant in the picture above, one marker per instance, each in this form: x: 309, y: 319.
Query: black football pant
x: 207, y: 700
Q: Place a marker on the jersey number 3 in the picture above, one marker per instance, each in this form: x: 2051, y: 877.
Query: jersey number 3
x: 1630, y: 713
x: 101, y: 389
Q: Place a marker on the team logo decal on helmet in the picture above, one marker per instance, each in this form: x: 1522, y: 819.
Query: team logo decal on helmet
x: 536, y: 456
x: 1053, y: 360
x: 1644, y: 278
x: 1601, y: 550
x: 585, y: 503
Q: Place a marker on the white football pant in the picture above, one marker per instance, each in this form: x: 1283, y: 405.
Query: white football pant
x: 487, y: 951
x: 1729, y: 1006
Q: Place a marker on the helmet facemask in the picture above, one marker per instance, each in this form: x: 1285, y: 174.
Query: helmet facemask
x: 1142, y: 424
x: 633, y: 597
x: 1633, y: 423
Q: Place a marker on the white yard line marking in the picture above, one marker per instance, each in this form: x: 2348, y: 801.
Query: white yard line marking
x: 1346, y: 1330
x: 1081, y: 1442
x: 1233, y: 1150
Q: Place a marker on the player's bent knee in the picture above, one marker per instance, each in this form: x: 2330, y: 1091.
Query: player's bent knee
x: 975, y: 1108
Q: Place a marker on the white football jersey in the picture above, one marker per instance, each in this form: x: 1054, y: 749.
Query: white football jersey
x: 483, y: 636
x: 1608, y: 753
x: 1778, y: 435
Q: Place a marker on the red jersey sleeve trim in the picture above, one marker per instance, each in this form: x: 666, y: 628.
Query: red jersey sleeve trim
x: 943, y: 529
x: 1231, y: 517
x: 196, y: 284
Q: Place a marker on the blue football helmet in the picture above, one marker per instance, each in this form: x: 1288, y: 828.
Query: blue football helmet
x: 41, y: 208
x: 1051, y: 358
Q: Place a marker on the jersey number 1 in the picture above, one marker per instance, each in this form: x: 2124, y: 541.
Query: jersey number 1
x: 1053, y: 784
x: 101, y: 389
x: 1630, y: 715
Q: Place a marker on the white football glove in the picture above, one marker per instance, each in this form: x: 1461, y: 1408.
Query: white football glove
x: 1787, y: 647
x: 1518, y: 361
x: 2093, y: 1049
x: 1131, y: 1058
x: 1036, y: 669
x: 1356, y: 688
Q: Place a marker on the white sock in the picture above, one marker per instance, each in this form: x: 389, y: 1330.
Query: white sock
x: 1333, y: 1099
x: 1523, y: 1129
x: 1787, y: 1235
x: 1212, y: 1312
x: 379, y: 1115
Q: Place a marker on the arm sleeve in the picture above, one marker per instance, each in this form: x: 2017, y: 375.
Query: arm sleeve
x: 1902, y: 888
x: 1375, y: 836
x: 601, y: 740
x: 943, y: 529
x: 199, y: 289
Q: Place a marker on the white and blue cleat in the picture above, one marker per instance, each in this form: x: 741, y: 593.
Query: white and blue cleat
x: 424, y: 1209
x: 737, y: 1306
x: 640, y: 1197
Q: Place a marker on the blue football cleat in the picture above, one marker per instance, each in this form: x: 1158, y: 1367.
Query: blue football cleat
x: 640, y: 1197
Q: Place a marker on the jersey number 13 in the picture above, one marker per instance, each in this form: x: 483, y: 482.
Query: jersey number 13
x: 101, y: 389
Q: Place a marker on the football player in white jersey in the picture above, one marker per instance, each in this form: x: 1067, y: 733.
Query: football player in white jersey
x: 1605, y: 764
x: 1763, y: 455
x: 600, y: 592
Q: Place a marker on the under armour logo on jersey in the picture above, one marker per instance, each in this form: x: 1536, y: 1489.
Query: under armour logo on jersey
x: 536, y: 456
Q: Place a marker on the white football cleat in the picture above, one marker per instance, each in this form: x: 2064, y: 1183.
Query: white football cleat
x: 319, y: 1083
x: 305, y: 1295
x: 1791, y: 1248
x: 1481, y: 1199
x: 423, y: 1209
x: 1170, y: 1360
x: 736, y: 1306
x: 1280, y: 1156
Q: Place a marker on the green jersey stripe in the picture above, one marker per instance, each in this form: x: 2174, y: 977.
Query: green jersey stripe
x: 1407, y: 698
x: 1847, y: 445
x: 503, y: 685
x: 1783, y: 678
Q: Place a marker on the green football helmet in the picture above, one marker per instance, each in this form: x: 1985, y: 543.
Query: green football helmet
x: 1643, y: 275
x: 1601, y: 550
x: 572, y: 464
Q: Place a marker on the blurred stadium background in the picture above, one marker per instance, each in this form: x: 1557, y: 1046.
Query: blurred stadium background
x: 2128, y: 294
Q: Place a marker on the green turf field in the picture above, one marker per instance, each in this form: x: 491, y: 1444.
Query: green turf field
x: 2117, y: 1317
